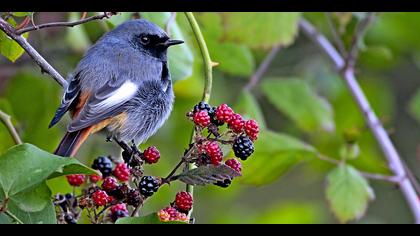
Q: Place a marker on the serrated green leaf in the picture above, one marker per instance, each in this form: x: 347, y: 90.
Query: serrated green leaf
x: 299, y: 102
x: 261, y: 30
x: 8, y: 47
x: 210, y: 174
x: 37, y: 165
x: 148, y: 219
x: 248, y: 106
x: 281, y: 151
x: 348, y: 193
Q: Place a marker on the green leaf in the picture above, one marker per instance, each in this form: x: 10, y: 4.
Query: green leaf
x: 233, y: 58
x: 8, y: 47
x: 45, y: 216
x: 148, y: 219
x: 32, y: 199
x: 348, y: 193
x: 298, y: 101
x: 281, y: 151
x: 414, y: 106
x: 248, y: 106
x: 181, y: 58
x: 208, y: 175
x: 37, y: 165
x: 261, y: 30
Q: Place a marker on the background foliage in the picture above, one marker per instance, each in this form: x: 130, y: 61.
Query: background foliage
x: 301, y: 102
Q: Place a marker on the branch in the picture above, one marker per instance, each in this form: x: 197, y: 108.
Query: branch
x: 381, y: 136
x: 45, y: 66
x: 256, y: 77
x: 66, y: 24
x: 7, y: 121
x: 358, y: 37
x: 335, y: 34
x: 208, y: 74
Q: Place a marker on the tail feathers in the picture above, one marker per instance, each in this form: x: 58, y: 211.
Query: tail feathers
x: 71, y: 142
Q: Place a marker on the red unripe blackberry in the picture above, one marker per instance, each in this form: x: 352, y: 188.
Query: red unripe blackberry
x: 100, y: 198
x: 151, y: 155
x: 118, y: 211
x: 236, y: 123
x: 213, y: 117
x: 202, y: 118
x: 148, y: 185
x: 109, y: 184
x: 224, y: 113
x: 243, y: 147
x: 214, y: 152
x: 252, y: 129
x: 122, y: 172
x: 75, y: 180
x: 183, y: 201
x: 171, y: 214
x: 163, y: 215
x: 94, y: 178
x: 234, y: 164
x: 119, y: 207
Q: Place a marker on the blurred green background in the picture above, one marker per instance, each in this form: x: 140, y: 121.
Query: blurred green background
x: 301, y: 102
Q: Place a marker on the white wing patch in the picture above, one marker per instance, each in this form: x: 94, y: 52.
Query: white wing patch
x: 124, y: 93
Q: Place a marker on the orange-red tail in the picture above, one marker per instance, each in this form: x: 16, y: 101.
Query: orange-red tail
x: 71, y: 142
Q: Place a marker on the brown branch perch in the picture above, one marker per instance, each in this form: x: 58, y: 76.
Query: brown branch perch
x: 65, y: 24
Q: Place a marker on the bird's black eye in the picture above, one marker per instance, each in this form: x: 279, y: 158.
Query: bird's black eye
x: 145, y: 40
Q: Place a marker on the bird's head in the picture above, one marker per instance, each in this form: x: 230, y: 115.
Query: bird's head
x: 145, y: 37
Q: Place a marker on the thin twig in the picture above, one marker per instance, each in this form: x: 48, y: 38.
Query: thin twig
x: 45, y: 66
x: 170, y: 22
x: 335, y: 34
x: 359, y: 34
x: 66, y: 24
x: 380, y: 134
x: 256, y: 77
x: 7, y: 121
x: 392, y: 179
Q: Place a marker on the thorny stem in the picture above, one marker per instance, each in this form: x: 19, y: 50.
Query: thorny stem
x: 66, y: 24
x: 7, y: 121
x: 380, y: 134
x: 208, y: 74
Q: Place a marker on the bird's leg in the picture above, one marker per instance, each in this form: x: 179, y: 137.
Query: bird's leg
x: 109, y: 137
x: 124, y: 146
x: 135, y: 148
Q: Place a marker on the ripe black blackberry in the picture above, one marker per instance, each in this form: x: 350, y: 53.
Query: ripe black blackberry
x: 243, y: 147
x: 104, y: 165
x: 202, y: 106
x: 148, y: 185
x: 223, y: 184
x: 133, y: 198
x: 213, y: 117
x: 118, y: 214
x: 120, y: 192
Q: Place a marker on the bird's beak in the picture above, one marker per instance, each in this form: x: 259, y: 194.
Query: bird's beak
x: 171, y: 42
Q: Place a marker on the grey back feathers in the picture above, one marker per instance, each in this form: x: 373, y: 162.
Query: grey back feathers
x: 123, y: 73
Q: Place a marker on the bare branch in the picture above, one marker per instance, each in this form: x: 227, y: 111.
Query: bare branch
x: 66, y: 24
x: 256, y: 77
x: 358, y: 37
x: 45, y: 66
x: 336, y: 36
x: 7, y: 121
x: 347, y: 72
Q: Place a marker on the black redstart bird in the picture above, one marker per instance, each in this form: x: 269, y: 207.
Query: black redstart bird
x: 123, y: 84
